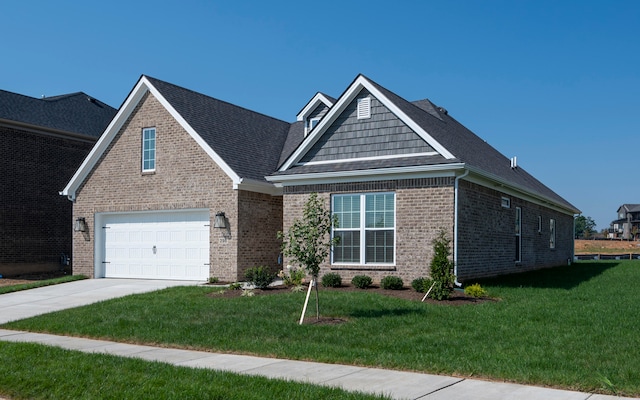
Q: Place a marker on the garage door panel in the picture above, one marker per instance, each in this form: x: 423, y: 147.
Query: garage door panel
x: 157, y: 245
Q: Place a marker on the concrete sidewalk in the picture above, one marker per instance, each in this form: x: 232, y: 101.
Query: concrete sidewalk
x: 396, y: 384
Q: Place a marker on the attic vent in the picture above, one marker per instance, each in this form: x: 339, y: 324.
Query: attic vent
x: 514, y: 162
x: 443, y: 110
x: 364, y: 108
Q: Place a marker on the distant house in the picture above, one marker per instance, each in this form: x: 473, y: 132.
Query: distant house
x: 184, y: 186
x: 627, y: 225
x: 42, y: 143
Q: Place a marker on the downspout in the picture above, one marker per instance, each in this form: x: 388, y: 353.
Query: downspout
x: 455, y: 228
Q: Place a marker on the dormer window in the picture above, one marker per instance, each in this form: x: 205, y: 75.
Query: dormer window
x: 364, y: 108
x: 312, y: 123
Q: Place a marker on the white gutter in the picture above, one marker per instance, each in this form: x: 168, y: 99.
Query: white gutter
x: 455, y: 228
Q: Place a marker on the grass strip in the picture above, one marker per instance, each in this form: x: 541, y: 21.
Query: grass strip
x: 40, y: 372
x: 41, y: 283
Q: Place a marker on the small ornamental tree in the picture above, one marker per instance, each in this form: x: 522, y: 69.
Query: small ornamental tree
x: 308, y: 241
x: 441, y: 267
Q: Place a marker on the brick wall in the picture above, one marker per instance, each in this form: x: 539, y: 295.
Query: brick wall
x: 486, y: 245
x: 423, y: 207
x: 35, y: 221
x: 185, y: 177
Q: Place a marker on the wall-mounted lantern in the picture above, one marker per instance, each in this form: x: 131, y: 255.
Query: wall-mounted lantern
x: 80, y: 225
x: 220, y: 221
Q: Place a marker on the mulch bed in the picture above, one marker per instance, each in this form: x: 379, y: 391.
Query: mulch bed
x: 30, y: 278
x: 457, y: 298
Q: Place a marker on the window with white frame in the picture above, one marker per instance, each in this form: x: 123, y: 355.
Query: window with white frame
x: 364, y: 108
x: 518, y: 255
x: 366, y: 228
x: 552, y: 233
x: 505, y: 202
x: 148, y: 149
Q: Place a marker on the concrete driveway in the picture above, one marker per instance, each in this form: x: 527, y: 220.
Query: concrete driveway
x: 32, y: 302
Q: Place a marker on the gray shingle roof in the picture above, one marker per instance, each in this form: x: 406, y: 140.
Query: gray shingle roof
x: 466, y: 146
x: 249, y: 142
x: 75, y: 113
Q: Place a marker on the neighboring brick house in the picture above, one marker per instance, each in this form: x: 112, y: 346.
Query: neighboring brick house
x: 396, y: 172
x: 154, y: 188
x: 627, y: 225
x: 42, y: 143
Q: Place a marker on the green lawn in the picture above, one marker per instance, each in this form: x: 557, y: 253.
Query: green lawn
x: 40, y: 372
x: 570, y: 327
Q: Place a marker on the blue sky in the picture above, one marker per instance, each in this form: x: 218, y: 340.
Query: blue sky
x: 555, y: 83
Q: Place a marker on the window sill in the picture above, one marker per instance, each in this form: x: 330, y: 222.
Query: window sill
x: 360, y: 267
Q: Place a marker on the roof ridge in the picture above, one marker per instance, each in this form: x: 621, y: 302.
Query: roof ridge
x: 215, y: 98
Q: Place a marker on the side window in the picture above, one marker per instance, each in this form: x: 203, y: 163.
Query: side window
x: 552, y: 233
x: 148, y: 149
x: 518, y: 255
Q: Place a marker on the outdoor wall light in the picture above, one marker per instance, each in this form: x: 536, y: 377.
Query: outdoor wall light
x: 80, y: 225
x: 220, y: 221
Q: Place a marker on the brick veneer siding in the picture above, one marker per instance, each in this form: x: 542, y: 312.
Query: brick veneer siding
x: 185, y: 178
x: 486, y: 234
x: 260, y: 220
x: 423, y: 207
x: 36, y: 225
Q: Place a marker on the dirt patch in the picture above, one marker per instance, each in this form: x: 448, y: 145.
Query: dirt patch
x: 22, y: 279
x: 457, y: 298
x: 606, y: 246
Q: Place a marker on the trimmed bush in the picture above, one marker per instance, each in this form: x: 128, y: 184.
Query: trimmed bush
x: 260, y: 277
x: 331, y: 280
x: 475, y: 290
x: 421, y: 285
x: 361, y: 281
x: 392, y: 282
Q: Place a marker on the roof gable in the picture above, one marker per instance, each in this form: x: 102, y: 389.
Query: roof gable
x: 246, y: 145
x: 360, y: 83
x: 75, y: 113
x: 382, y: 135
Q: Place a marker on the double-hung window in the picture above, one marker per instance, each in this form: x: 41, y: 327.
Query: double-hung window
x: 366, y: 228
x: 148, y: 149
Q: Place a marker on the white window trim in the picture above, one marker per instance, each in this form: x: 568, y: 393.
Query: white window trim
x: 552, y: 233
x: 310, y: 125
x: 506, y: 202
x: 519, y: 233
x: 364, y: 108
x: 362, y: 229
x: 155, y: 158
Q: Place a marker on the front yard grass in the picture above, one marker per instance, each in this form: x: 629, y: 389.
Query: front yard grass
x: 571, y: 327
x: 35, y: 371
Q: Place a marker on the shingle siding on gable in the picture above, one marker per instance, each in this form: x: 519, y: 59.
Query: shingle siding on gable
x: 381, y: 135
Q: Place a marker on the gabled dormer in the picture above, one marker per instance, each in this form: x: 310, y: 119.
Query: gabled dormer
x: 315, y: 109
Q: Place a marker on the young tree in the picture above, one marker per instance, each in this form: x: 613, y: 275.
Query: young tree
x: 308, y: 241
x: 441, y: 267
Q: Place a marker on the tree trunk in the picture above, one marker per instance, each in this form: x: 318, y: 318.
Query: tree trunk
x: 317, y: 300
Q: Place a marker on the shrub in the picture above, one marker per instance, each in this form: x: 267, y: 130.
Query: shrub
x: 213, y: 279
x: 235, y: 286
x: 331, y: 280
x: 260, y: 277
x: 361, y: 281
x: 292, y: 276
x: 421, y: 285
x: 392, y: 282
x: 475, y: 290
x: 441, y: 268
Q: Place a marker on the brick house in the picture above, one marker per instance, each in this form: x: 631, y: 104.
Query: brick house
x: 176, y: 189
x: 396, y: 172
x: 42, y: 143
x: 184, y: 186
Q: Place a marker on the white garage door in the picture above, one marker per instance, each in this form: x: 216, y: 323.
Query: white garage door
x: 157, y: 245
